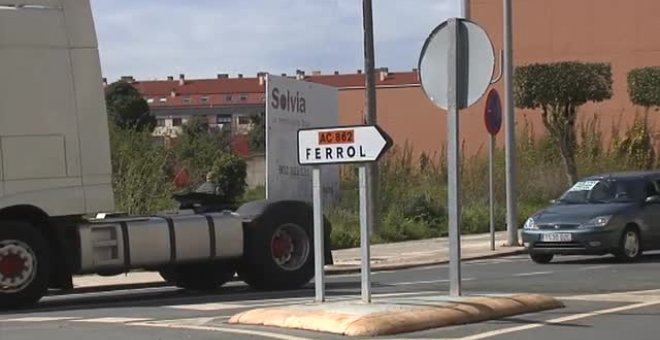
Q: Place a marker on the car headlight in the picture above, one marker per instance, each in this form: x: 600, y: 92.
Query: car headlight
x: 530, y: 224
x: 597, y: 222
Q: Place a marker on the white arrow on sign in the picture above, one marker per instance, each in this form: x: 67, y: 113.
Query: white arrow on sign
x: 342, y: 144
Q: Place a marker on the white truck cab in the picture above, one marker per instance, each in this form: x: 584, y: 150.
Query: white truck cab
x: 55, y: 171
x: 54, y: 141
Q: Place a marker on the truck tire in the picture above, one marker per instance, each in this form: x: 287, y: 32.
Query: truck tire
x: 199, y: 276
x: 24, y: 265
x: 279, y: 248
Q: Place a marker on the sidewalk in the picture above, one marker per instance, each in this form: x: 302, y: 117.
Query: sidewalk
x: 388, y: 256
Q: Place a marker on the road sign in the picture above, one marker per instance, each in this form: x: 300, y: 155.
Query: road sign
x: 456, y: 66
x: 342, y: 144
x: 493, y: 112
x: 493, y: 120
x: 290, y: 105
x: 475, y: 67
x: 337, y: 145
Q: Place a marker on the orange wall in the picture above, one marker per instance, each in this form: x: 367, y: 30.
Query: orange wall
x: 623, y: 33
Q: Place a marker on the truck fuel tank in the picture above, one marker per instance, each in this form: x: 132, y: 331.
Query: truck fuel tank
x: 137, y: 242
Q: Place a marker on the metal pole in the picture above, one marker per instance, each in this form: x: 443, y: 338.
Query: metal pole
x: 364, y: 236
x: 466, y: 9
x: 491, y: 153
x: 370, y: 108
x: 452, y: 164
x: 511, y: 213
x: 319, y: 274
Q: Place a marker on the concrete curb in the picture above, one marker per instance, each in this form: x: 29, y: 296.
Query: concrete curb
x: 340, y: 318
x: 337, y: 270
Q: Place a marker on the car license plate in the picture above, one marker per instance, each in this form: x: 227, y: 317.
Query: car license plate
x: 556, y: 237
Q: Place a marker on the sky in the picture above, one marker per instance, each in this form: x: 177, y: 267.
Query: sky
x: 153, y: 39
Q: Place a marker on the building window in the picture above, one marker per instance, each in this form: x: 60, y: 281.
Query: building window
x: 177, y: 122
x: 243, y: 120
x: 187, y: 100
x: 150, y: 100
x: 204, y: 99
x: 223, y: 119
x: 243, y: 97
x: 160, y: 122
x: 163, y: 100
x: 228, y: 98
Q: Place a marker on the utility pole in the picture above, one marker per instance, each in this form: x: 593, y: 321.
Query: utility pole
x: 370, y: 113
x: 510, y: 149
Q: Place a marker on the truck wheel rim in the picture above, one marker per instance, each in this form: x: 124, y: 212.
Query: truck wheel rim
x: 631, y: 245
x: 290, y: 246
x: 18, y: 266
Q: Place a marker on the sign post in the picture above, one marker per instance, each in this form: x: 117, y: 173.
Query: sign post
x: 365, y: 251
x: 456, y: 67
x: 493, y: 119
x: 319, y: 273
x: 340, y: 145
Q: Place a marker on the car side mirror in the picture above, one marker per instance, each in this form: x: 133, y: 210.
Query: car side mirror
x: 653, y: 199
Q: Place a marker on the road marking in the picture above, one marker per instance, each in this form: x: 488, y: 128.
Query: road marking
x: 596, y: 267
x: 424, y: 282
x: 113, y: 320
x: 190, y: 321
x: 559, y: 320
x: 631, y: 296
x: 207, y: 306
x: 221, y: 330
x: 532, y: 274
x: 40, y: 319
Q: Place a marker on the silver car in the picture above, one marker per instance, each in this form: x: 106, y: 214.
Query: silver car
x: 615, y: 213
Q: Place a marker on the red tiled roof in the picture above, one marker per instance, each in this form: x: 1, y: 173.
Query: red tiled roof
x: 217, y: 88
x: 199, y: 86
x: 357, y: 80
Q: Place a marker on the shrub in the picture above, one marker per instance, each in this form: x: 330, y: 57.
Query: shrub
x: 232, y: 171
x: 644, y: 86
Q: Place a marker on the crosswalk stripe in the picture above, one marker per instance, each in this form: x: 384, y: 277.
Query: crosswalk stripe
x: 113, y: 320
x: 40, y: 319
x: 207, y: 306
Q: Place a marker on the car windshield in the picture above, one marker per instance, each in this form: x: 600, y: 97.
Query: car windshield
x: 601, y: 191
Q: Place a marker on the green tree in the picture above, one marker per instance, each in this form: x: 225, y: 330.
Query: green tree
x: 139, y: 167
x: 201, y: 149
x: 559, y: 89
x: 197, y: 125
x: 636, y: 147
x: 127, y: 109
x: 257, y: 135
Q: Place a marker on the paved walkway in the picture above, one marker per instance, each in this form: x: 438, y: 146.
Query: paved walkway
x: 387, y: 256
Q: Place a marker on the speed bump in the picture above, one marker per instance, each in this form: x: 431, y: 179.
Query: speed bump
x: 354, y: 318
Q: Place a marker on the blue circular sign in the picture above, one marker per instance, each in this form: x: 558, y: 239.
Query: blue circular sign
x: 493, y: 112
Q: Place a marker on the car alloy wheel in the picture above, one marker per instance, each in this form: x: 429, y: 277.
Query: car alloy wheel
x: 631, y: 244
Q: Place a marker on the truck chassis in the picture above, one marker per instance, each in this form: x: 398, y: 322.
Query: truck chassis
x: 267, y: 244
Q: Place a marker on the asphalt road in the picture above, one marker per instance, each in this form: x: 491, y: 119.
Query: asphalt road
x: 604, y: 300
